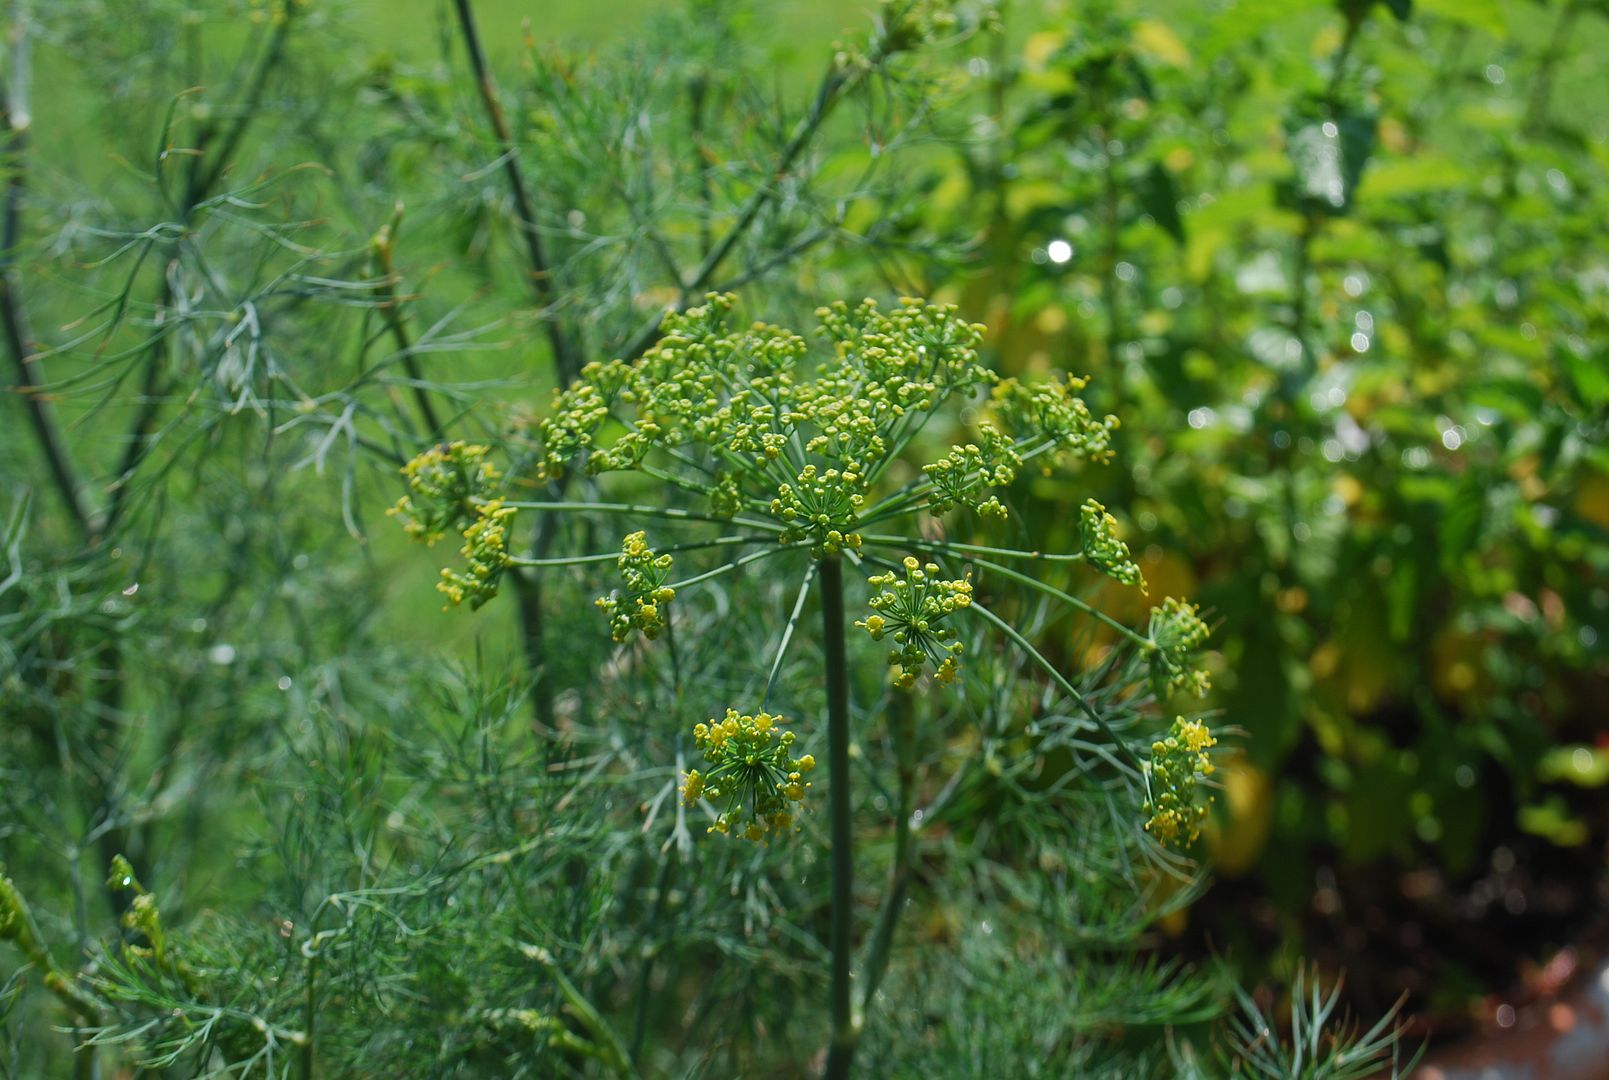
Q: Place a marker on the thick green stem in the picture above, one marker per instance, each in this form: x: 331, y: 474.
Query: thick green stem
x: 844, y: 1030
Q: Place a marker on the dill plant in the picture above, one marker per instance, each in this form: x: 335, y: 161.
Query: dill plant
x: 812, y: 464
x: 246, y: 834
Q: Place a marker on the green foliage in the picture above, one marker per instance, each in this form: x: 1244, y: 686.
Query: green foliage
x: 1339, y: 275
x: 344, y: 832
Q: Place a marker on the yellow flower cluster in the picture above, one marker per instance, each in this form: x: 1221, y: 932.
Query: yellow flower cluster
x: 446, y: 486
x: 1177, y: 634
x: 1058, y: 418
x: 641, y: 607
x: 911, y: 610
x: 802, y: 448
x: 453, y: 487
x: 1173, y: 816
x: 752, y: 774
x: 822, y: 506
x: 1103, y: 549
x: 966, y: 473
x: 732, y: 410
x: 485, y: 553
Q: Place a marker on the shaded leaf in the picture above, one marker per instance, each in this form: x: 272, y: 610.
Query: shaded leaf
x: 1328, y: 155
x: 1160, y: 199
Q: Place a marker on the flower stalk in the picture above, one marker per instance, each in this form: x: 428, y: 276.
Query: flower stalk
x: 845, y: 1031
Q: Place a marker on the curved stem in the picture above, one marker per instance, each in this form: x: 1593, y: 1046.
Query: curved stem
x: 670, y: 512
x: 787, y: 635
x: 726, y: 568
x: 954, y: 547
x: 612, y: 556
x: 16, y: 121
x: 1033, y: 583
x: 1061, y: 680
x: 565, y: 363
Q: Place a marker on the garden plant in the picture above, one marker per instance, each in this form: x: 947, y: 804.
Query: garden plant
x: 501, y: 576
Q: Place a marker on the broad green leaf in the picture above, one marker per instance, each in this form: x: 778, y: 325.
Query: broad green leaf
x: 1160, y: 199
x: 1591, y: 377
x: 1412, y: 176
x: 1328, y: 155
x: 1484, y: 15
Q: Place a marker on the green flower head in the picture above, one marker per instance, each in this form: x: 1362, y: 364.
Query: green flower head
x: 1176, y: 635
x: 641, y: 605
x: 911, y: 610
x: 1103, y: 549
x: 1178, y: 761
x: 752, y: 776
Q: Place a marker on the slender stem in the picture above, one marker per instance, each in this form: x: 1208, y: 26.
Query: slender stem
x: 564, y: 359
x: 639, y: 1026
x: 826, y: 96
x: 902, y: 724
x: 1061, y: 680
x: 1049, y: 590
x: 778, y: 258
x: 13, y: 320
x: 199, y: 187
x: 845, y: 1032
x: 391, y: 310
x: 697, y: 94
x: 953, y: 547
x: 528, y: 593
x: 203, y: 179
x: 787, y: 635
x: 727, y: 568
x: 828, y: 93
x: 612, y: 556
x: 139, y: 441
x: 671, y: 512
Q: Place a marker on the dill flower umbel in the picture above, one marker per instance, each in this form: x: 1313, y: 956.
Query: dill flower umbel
x: 1177, y: 762
x: 967, y: 474
x: 911, y: 609
x: 446, y: 486
x: 753, y: 776
x: 1176, y: 635
x: 485, y: 553
x: 1103, y: 549
x: 452, y: 487
x: 641, y: 606
x: 801, y: 446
